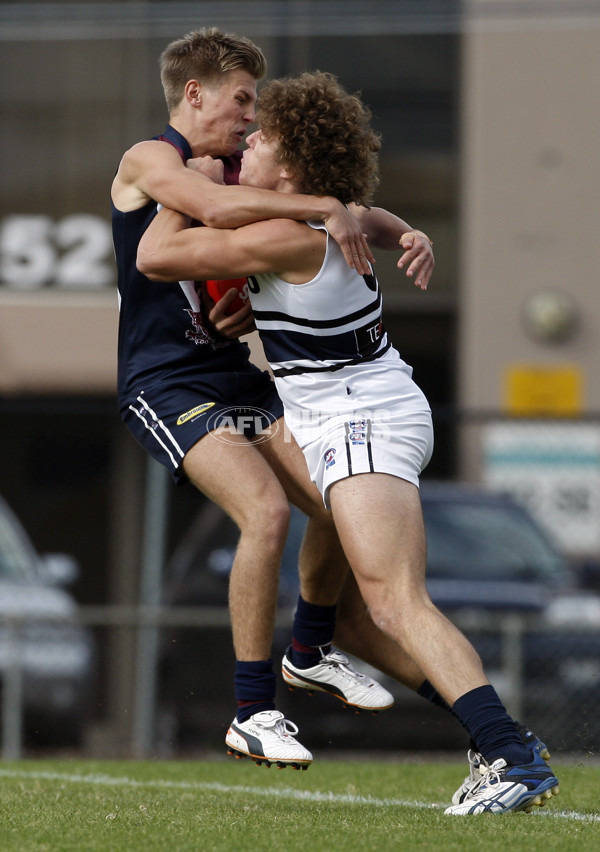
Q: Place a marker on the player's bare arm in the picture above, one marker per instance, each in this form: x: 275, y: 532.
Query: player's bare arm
x: 154, y: 170
x: 171, y: 251
x: 387, y: 231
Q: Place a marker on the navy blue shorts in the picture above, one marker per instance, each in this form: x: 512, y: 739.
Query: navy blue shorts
x: 168, y: 418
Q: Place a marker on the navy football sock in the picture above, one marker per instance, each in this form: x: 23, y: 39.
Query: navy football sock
x: 313, y: 630
x: 255, y: 686
x: 493, y: 731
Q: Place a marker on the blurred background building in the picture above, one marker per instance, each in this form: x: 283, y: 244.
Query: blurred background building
x: 490, y: 117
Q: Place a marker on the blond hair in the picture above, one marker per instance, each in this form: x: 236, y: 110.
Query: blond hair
x: 205, y: 55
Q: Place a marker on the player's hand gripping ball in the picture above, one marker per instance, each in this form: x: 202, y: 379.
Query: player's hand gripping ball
x: 216, y: 289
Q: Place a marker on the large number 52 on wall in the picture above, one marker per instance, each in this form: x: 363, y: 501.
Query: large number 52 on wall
x: 73, y: 253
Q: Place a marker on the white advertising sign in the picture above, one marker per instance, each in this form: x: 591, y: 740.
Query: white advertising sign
x: 554, y: 468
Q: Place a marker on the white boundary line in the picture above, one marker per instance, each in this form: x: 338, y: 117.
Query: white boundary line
x: 275, y: 792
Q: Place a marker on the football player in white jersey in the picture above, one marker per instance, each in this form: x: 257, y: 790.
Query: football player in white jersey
x: 363, y: 424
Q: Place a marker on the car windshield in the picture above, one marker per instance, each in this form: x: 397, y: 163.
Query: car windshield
x: 16, y: 556
x: 488, y: 541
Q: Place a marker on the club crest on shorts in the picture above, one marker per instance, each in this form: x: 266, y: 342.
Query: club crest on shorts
x: 329, y: 457
x: 357, y: 431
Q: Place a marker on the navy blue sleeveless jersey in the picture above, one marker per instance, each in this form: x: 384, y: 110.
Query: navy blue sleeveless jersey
x: 164, y: 336
x: 178, y: 379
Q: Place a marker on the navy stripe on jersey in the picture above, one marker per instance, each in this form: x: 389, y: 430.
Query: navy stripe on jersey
x: 280, y: 316
x: 284, y: 345
x: 279, y: 372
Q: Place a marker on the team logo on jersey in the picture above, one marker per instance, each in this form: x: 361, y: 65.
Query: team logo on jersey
x: 199, y: 335
x: 329, y: 457
x: 194, y: 412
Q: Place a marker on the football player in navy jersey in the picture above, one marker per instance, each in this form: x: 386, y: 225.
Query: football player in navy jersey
x: 363, y: 424
x: 183, y: 374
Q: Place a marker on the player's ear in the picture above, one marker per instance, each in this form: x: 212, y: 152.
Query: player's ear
x: 193, y: 93
x: 287, y: 174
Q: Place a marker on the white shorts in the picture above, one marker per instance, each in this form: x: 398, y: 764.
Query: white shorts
x: 367, y: 419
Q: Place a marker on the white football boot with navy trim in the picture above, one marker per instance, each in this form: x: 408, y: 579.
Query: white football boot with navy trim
x: 267, y: 737
x: 478, y: 766
x: 504, y: 788
x: 335, y: 675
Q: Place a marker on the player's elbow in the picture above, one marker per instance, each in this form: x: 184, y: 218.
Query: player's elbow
x: 150, y: 264
x: 216, y: 216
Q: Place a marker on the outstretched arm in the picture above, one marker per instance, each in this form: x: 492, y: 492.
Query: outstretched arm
x: 387, y: 231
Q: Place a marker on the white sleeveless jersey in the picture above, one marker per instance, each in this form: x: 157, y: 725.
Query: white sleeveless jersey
x: 311, y: 332
x: 349, y: 398
x: 329, y: 322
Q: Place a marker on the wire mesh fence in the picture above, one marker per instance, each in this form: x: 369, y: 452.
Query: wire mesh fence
x: 176, y: 692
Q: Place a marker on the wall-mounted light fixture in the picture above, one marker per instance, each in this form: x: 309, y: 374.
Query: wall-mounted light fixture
x: 550, y: 316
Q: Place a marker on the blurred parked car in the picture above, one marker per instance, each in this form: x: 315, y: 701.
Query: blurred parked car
x: 491, y: 568
x: 494, y: 570
x: 39, y: 634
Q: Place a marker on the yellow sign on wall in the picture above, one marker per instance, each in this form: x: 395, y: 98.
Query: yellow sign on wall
x: 541, y: 390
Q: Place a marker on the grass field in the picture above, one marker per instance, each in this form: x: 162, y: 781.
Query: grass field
x: 218, y: 805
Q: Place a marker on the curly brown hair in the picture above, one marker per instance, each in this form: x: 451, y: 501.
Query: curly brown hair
x: 324, y: 135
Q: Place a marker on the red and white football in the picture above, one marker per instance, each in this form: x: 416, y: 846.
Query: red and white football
x: 217, y: 288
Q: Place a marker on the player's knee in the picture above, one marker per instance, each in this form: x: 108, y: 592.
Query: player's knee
x: 277, y: 518
x: 267, y: 522
x: 387, y: 611
x: 382, y: 615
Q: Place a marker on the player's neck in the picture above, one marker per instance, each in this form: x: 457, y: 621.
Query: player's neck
x: 193, y: 134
